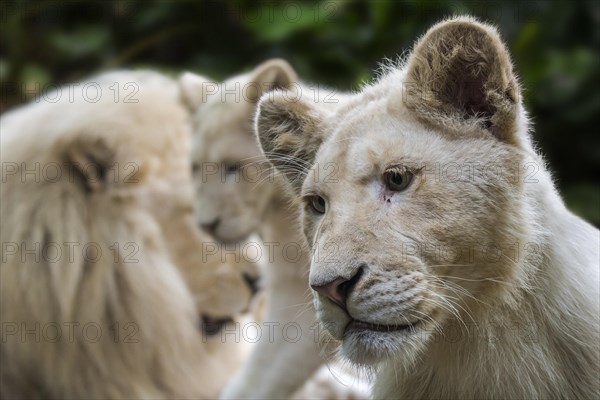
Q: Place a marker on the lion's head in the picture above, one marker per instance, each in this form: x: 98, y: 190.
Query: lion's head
x: 97, y: 219
x: 228, y: 168
x: 418, y: 224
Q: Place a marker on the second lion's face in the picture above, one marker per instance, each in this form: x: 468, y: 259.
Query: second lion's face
x: 228, y: 169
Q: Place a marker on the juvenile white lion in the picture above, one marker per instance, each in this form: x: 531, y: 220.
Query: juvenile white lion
x: 237, y: 195
x: 96, y: 218
x: 454, y: 269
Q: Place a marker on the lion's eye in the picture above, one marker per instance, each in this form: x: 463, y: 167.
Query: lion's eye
x: 317, y: 203
x: 397, y: 179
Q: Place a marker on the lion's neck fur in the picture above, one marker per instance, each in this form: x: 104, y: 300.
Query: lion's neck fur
x: 137, y: 353
x: 143, y: 340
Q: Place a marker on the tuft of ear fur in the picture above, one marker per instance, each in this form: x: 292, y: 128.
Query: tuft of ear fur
x: 91, y: 161
x: 272, y: 74
x: 460, y: 76
x: 192, y: 89
x: 289, y: 135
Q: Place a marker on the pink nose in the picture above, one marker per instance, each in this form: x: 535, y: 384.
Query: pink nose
x: 338, y: 289
x: 334, y: 291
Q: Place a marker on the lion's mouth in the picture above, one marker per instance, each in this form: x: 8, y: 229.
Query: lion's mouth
x: 212, y: 326
x: 356, y: 325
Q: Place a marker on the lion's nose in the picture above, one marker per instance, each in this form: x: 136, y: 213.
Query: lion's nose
x: 338, y: 289
x: 211, y: 227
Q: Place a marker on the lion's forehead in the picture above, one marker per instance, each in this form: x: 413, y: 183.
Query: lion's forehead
x: 361, y: 146
x: 229, y: 143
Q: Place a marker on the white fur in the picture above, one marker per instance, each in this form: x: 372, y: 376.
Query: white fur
x: 259, y: 204
x: 524, y: 324
x: 146, y: 141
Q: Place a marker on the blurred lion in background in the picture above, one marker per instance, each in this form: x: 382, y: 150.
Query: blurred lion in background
x: 97, y: 218
x: 238, y: 195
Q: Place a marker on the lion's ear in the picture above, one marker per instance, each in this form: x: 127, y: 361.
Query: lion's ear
x: 193, y: 89
x: 289, y: 133
x: 460, y: 76
x: 274, y: 74
x: 271, y: 74
x: 90, y: 162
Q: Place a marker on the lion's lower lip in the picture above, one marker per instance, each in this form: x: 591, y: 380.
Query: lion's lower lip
x: 362, y: 325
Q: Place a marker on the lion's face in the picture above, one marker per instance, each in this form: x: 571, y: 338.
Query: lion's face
x: 415, y: 228
x: 228, y: 199
x: 222, y: 288
x: 414, y: 246
x: 231, y: 176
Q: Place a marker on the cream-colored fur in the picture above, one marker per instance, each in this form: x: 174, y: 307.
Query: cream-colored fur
x: 472, y: 280
x: 117, y: 320
x: 251, y: 199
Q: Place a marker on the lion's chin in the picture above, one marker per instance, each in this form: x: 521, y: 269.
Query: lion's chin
x: 368, y: 344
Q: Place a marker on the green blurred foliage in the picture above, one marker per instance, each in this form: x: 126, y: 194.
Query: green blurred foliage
x: 555, y: 46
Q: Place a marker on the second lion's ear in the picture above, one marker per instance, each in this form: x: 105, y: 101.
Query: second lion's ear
x: 289, y: 133
x: 193, y: 89
x: 271, y: 74
x: 91, y: 161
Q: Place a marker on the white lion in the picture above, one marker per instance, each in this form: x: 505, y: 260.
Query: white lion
x: 237, y: 195
x: 445, y: 260
x: 96, y: 208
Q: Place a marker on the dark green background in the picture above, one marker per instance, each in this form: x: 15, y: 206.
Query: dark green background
x: 555, y: 46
